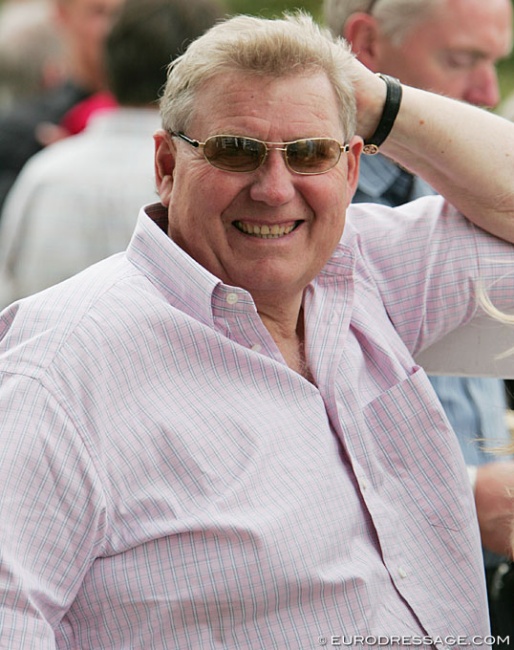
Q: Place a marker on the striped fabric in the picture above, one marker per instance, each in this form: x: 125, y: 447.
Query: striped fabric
x: 168, y: 482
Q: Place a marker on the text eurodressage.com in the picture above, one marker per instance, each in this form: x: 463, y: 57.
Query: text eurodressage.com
x: 413, y: 641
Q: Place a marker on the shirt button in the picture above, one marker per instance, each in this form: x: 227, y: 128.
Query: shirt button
x: 364, y: 485
x: 402, y: 573
x: 232, y: 298
x: 257, y: 347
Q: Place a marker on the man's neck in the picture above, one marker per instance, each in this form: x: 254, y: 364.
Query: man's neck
x: 290, y: 340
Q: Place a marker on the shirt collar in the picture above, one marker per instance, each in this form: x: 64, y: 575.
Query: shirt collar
x: 183, y: 282
x: 187, y: 285
x: 124, y: 120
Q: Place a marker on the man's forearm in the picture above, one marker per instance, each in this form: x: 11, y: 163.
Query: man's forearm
x: 464, y: 152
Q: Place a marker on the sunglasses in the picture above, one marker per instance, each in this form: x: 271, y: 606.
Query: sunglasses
x: 233, y: 153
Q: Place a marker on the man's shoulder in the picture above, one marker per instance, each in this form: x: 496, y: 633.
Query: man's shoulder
x: 96, y: 152
x: 61, y: 159
x: 33, y: 330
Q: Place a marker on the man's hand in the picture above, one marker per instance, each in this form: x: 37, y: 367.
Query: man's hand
x: 494, y: 499
x: 370, y: 93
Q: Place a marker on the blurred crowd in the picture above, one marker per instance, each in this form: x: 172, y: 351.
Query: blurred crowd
x: 79, y: 88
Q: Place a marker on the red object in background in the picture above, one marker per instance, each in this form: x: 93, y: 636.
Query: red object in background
x: 77, y: 117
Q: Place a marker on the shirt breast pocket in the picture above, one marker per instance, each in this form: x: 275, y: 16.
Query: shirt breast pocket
x: 417, y: 456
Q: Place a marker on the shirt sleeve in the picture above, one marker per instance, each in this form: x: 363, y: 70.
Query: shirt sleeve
x: 52, y: 511
x: 428, y: 262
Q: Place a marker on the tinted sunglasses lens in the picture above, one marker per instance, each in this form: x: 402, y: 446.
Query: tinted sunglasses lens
x: 234, y: 154
x: 313, y: 156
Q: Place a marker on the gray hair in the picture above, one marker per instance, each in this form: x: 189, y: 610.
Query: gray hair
x: 395, y: 17
x: 274, y: 48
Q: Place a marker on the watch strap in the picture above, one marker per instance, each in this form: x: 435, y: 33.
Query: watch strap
x: 388, y: 117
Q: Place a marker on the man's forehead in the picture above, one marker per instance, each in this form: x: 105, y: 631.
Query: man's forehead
x: 292, y: 98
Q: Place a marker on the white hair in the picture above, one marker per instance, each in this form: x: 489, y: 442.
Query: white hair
x: 258, y: 46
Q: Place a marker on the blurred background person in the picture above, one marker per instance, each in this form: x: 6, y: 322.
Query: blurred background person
x: 83, y: 26
x: 450, y: 47
x: 31, y: 50
x: 76, y: 201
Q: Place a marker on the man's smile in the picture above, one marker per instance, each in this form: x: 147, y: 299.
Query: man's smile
x: 265, y: 231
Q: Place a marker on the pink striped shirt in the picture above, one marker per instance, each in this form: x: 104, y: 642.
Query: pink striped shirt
x: 168, y: 482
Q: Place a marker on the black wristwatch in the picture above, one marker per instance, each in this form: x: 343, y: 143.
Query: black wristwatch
x: 391, y: 108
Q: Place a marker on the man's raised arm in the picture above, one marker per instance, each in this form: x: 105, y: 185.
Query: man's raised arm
x: 466, y: 153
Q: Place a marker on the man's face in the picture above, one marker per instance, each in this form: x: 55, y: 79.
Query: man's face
x: 454, y: 52
x: 211, y: 211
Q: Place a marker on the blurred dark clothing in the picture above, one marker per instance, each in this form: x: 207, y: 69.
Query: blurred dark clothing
x: 18, y: 127
x: 500, y: 594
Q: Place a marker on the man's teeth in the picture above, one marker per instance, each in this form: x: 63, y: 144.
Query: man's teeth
x: 265, y: 232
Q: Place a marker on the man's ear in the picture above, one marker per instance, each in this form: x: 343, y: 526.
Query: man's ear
x: 361, y: 31
x: 353, y: 157
x: 164, y: 162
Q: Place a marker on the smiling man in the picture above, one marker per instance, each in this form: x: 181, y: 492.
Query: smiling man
x: 219, y: 438
x: 262, y: 230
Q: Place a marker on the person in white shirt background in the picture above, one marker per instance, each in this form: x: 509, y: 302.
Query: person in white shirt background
x: 29, y: 124
x: 76, y: 201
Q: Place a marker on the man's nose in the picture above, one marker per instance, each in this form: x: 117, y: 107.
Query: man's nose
x: 484, y: 89
x: 273, y: 182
